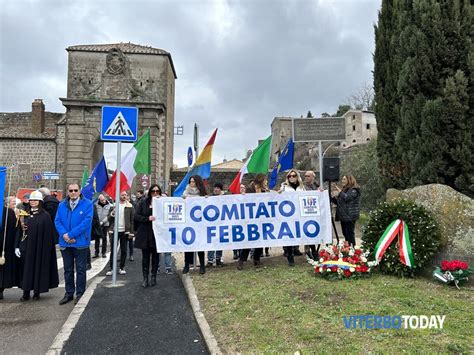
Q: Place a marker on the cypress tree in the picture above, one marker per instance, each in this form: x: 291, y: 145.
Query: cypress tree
x: 425, y: 132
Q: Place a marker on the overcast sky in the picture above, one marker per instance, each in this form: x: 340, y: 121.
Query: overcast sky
x: 239, y: 63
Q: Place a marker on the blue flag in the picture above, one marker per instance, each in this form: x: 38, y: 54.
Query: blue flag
x: 285, y: 162
x: 97, y: 180
x: 3, y: 177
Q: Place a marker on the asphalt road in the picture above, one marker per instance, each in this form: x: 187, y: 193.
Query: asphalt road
x: 128, y: 319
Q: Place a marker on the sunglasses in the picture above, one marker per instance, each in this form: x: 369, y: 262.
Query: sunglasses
x: 74, y: 190
x: 155, y: 191
x: 292, y: 175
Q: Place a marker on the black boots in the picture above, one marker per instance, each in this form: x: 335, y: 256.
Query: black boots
x: 186, y: 268
x: 291, y: 260
x: 202, y: 269
x: 26, y: 296
x: 153, y: 280
x: 145, y: 280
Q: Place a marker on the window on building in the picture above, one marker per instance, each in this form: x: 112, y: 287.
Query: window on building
x: 368, y: 139
x: 368, y: 126
x: 353, y: 141
x: 353, y: 128
x: 353, y: 117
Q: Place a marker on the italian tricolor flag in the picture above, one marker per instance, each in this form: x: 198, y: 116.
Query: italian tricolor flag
x: 397, y: 227
x: 257, y: 163
x: 136, y: 161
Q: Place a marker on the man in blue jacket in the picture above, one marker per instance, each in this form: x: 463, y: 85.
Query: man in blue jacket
x: 73, y: 223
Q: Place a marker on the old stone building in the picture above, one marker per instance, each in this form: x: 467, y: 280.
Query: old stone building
x: 361, y: 127
x: 122, y: 74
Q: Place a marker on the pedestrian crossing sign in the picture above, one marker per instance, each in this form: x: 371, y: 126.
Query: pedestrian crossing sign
x: 119, y: 124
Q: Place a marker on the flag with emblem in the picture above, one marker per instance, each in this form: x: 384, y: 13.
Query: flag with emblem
x: 285, y: 162
x: 96, y: 182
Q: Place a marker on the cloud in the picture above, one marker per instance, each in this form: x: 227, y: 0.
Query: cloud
x: 239, y: 63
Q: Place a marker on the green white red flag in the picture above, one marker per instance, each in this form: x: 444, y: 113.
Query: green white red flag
x: 257, y: 163
x: 400, y: 228
x: 136, y: 161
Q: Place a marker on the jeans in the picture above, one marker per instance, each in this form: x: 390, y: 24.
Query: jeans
x: 78, y: 257
x: 123, y: 249
x: 167, y: 261
x: 105, y: 230
x: 211, y: 253
x: 131, y: 244
x: 348, y: 232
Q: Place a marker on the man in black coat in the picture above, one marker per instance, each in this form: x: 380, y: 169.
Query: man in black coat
x: 50, y: 205
x: 10, y: 270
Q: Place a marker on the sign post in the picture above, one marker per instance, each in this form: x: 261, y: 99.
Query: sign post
x: 319, y: 130
x: 119, y: 124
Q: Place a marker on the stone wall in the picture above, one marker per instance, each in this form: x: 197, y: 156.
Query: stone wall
x: 29, y: 157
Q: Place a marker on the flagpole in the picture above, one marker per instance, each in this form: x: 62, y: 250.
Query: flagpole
x: 117, y: 212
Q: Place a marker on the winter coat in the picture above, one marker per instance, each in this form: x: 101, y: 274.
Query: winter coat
x: 96, y: 228
x: 39, y: 268
x: 103, y: 213
x: 191, y: 191
x: 10, y: 271
x: 50, y: 205
x: 348, y: 205
x: 145, y: 237
x: 77, y: 224
x: 129, y: 212
x: 288, y: 188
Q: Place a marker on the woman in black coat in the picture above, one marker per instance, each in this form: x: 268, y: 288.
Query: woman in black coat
x: 10, y: 270
x: 348, y: 206
x: 145, y: 238
x: 34, y: 245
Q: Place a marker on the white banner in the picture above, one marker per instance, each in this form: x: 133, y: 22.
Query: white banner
x: 241, y: 221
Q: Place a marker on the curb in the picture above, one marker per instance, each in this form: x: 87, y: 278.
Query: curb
x: 201, y: 320
x: 73, y: 318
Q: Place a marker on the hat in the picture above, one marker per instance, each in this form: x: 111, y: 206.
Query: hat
x: 26, y: 196
x: 36, y: 195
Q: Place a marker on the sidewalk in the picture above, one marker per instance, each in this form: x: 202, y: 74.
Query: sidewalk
x: 130, y: 319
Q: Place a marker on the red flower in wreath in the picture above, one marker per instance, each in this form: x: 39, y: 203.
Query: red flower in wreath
x: 347, y: 273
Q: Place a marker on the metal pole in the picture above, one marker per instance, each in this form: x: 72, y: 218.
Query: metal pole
x: 320, y: 146
x: 196, y: 149
x: 117, y: 212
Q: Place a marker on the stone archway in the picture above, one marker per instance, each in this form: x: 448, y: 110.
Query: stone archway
x: 106, y: 75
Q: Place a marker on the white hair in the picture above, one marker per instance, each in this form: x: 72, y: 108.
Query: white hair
x: 44, y: 191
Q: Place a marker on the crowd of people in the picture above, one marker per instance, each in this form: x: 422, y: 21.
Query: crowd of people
x: 32, y: 228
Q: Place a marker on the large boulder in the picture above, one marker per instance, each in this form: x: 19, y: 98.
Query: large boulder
x: 454, y: 212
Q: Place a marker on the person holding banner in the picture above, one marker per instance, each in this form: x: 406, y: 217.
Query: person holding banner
x: 194, y: 188
x: 259, y: 185
x: 348, y: 206
x: 292, y: 183
x: 145, y: 239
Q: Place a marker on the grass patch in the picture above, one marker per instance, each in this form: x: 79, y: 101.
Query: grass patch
x: 282, y: 309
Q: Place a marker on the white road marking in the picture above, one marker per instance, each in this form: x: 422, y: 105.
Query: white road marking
x: 73, y: 318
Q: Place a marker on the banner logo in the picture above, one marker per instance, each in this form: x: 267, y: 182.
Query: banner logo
x: 309, y: 206
x: 174, y: 212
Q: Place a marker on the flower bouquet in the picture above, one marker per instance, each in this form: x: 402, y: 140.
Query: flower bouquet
x: 342, y: 261
x: 453, y: 272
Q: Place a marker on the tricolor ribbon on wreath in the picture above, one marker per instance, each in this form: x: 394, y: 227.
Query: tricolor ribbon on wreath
x: 397, y: 227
